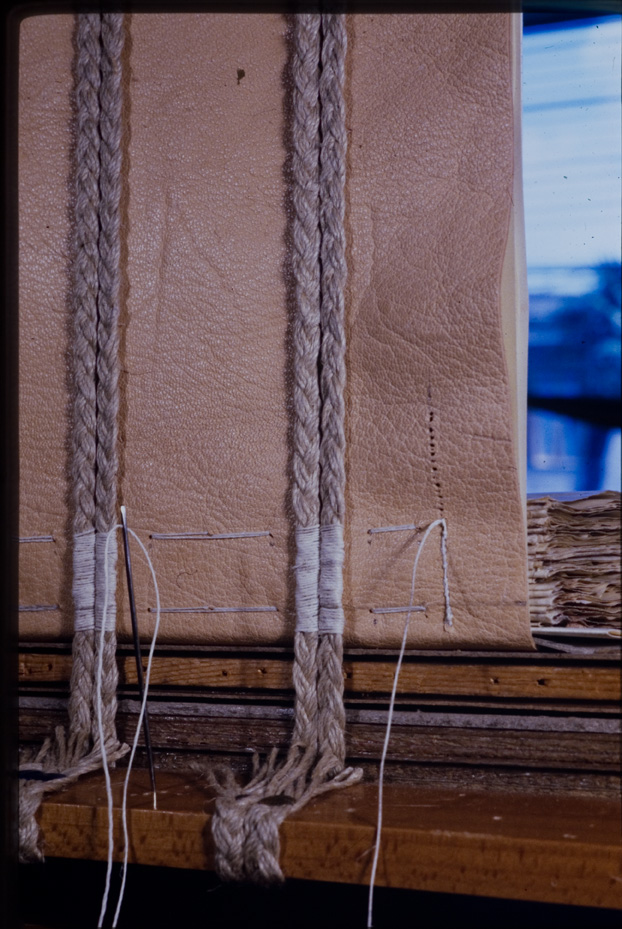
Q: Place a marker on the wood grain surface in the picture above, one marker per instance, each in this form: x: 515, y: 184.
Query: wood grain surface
x: 563, y: 849
x: 478, y: 739
x: 508, y: 679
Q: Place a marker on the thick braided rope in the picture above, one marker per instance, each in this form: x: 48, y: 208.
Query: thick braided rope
x: 240, y: 827
x: 110, y: 98
x: 85, y: 284
x: 94, y: 294
x: 333, y: 378
x: 305, y: 261
x: 306, y: 347
x: 246, y: 823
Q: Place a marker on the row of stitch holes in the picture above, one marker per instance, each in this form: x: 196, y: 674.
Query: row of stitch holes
x: 437, y: 483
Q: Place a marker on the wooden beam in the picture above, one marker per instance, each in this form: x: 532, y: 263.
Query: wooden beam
x: 563, y: 849
x: 497, y: 680
x: 535, y: 742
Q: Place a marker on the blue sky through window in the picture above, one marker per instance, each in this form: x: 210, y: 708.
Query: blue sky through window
x: 572, y: 132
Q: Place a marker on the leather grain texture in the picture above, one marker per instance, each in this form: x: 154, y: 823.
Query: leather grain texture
x: 44, y: 130
x: 435, y: 370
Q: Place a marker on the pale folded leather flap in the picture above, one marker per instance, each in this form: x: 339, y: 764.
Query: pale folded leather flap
x: 435, y: 326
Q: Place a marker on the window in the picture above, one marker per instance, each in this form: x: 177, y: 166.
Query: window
x: 571, y: 153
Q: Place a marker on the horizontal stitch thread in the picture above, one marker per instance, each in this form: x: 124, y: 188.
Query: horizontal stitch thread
x: 397, y: 609
x: 36, y: 538
x: 39, y: 608
x: 217, y: 609
x: 408, y: 528
x: 207, y: 536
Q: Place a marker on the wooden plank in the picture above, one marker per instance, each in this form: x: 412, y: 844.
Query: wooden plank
x: 431, y: 738
x: 563, y: 849
x: 36, y: 690
x: 418, y: 776
x: 49, y: 668
x: 546, y: 653
x: 494, y: 680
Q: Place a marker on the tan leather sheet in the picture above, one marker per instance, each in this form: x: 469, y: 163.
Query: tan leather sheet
x: 434, y: 358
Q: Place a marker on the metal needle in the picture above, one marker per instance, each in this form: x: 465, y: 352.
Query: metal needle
x: 139, y: 666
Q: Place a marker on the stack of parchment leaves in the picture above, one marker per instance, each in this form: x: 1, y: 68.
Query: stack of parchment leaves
x: 574, y: 562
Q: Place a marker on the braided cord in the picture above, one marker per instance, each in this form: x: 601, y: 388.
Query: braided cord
x: 94, y: 311
x: 306, y: 345
x: 110, y: 98
x: 85, y: 283
x: 246, y: 820
x: 331, y: 719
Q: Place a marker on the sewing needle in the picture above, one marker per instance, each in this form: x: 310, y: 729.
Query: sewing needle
x: 139, y: 666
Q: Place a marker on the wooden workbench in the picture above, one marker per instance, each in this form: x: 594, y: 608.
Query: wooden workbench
x: 564, y: 849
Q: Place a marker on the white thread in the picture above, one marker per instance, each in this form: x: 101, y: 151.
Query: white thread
x: 449, y: 616
x: 36, y: 538
x: 331, y: 618
x: 307, y: 570
x: 397, y: 609
x: 84, y: 580
x: 100, y: 727
x: 164, y: 536
x: 217, y: 609
x: 103, y: 628
x: 38, y: 608
x: 138, y: 729
x: 411, y: 527
x: 448, y: 622
x: 106, y: 581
